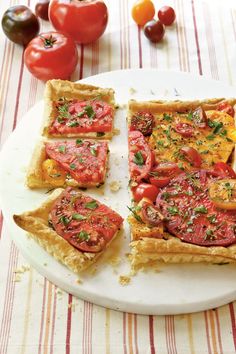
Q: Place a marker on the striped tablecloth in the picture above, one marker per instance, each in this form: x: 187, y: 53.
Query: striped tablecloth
x: 35, y: 316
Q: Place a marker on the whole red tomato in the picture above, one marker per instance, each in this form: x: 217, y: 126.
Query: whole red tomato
x: 85, y: 21
x: 51, y: 55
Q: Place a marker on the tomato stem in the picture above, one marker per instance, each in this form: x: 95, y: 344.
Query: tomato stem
x: 48, y: 42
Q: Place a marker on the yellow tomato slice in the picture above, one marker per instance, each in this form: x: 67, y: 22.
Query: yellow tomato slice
x: 223, y: 193
x: 53, y: 173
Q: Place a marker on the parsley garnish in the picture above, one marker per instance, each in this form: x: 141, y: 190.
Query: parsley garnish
x: 91, y: 205
x: 173, y: 210
x: 210, y: 137
x: 89, y: 111
x: 135, y: 215
x: 93, y: 151
x: 79, y: 141
x: 138, y: 158
x: 167, y: 117
x: 201, y: 209
x: 64, y: 220
x: 83, y: 235
x: 212, y: 218
x: 63, y: 112
x: 229, y: 189
x: 72, y: 166
x: 62, y: 149
x: 77, y: 216
x: 73, y: 124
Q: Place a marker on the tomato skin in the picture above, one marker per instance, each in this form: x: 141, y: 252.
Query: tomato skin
x: 167, y: 169
x: 151, y: 214
x: 143, y: 11
x: 145, y: 190
x: 184, y: 129
x: 200, y: 117
x: 166, y: 15
x: 154, y: 31
x: 19, y: 24
x: 41, y: 9
x: 55, y: 61
x: 85, y: 21
x: 226, y: 107
x: 159, y: 181
x: 143, y: 122
x: 191, y: 155
x: 222, y: 169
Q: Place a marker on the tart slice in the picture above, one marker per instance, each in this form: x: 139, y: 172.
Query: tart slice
x: 78, y: 110
x: 71, y: 226
x: 80, y: 163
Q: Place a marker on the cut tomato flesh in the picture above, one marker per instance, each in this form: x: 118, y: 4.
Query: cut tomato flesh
x: 192, y: 216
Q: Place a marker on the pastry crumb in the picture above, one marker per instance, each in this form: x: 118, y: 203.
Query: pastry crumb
x: 114, y: 261
x: 17, y: 278
x: 124, y: 280
x: 115, y: 186
x: 123, y: 105
x: 116, y: 161
x: 79, y: 281
x: 22, y: 269
x: 116, y: 131
x: 132, y: 90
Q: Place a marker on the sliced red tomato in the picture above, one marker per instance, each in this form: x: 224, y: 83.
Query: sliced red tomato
x: 226, y: 107
x: 184, y: 129
x: 151, y: 214
x: 190, y: 214
x: 84, y: 160
x: 199, y: 117
x: 141, y: 158
x: 223, y: 170
x: 166, y: 169
x: 82, y: 117
x: 191, y: 155
x: 145, y: 190
x: 84, y: 222
x: 159, y: 181
x: 143, y: 122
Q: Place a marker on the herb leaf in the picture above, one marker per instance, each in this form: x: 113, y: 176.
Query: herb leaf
x: 72, y: 166
x: 83, y: 235
x: 201, y: 209
x: 64, y: 220
x: 77, y: 216
x: 135, y: 215
x: 79, y: 141
x: 138, y: 158
x: 62, y: 149
x: 173, y: 210
x: 89, y: 111
x: 91, y: 205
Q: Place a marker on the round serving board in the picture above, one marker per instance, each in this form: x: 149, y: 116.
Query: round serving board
x: 169, y: 289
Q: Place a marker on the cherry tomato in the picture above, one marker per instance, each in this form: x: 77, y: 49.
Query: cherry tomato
x: 150, y: 214
x: 225, y: 107
x: 19, y: 24
x: 143, y: 11
x: 191, y: 155
x: 166, y: 15
x: 84, y: 21
x: 223, y: 194
x: 166, y: 169
x: 51, y: 55
x: 154, y: 31
x: 41, y: 9
x: 222, y: 169
x: 159, y: 181
x: 199, y: 117
x: 145, y: 190
x: 143, y: 122
x: 184, y: 129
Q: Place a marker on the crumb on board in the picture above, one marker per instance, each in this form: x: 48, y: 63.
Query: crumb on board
x: 79, y: 281
x: 114, y: 261
x: 116, y: 161
x: 115, y: 186
x: 132, y: 90
x: 123, y: 105
x: 17, y: 278
x: 22, y: 269
x: 116, y: 131
x: 124, y: 280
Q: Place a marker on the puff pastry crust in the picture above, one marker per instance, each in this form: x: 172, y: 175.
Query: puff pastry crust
x: 35, y: 177
x: 61, y: 88
x: 36, y: 224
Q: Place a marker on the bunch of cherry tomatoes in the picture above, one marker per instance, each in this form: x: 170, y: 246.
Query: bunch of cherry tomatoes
x: 54, y: 55
x: 143, y: 12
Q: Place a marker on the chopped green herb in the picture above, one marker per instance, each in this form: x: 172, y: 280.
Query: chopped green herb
x: 167, y: 117
x: 199, y: 142
x: 190, y: 222
x: 201, y: 209
x: 212, y: 218
x: 62, y: 149
x: 190, y: 116
x: 229, y: 189
x: 100, y: 134
x: 83, y: 235
x: 93, y: 151
x: 218, y: 127
x: 64, y: 220
x: 189, y: 229
x: 138, y: 158
x: 79, y: 141
x: 190, y: 192
x: 91, y: 205
x: 205, y: 152
x: 77, y: 216
x: 173, y: 210
x: 165, y: 195
x: 73, y: 124
x: 72, y: 166
x: 89, y: 111
x: 135, y: 215
x: 210, y: 137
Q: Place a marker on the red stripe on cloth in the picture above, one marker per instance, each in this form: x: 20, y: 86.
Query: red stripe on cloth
x: 233, y: 322
x: 87, y: 328
x: 218, y: 330
x: 121, y: 34
x: 68, y: 325
x: 136, y: 334
x: 81, y: 61
x: 42, y: 316
x: 207, y: 333
x: 18, y: 91
x: 140, y: 47
x: 128, y: 33
x: 151, y: 335
x: 8, y: 300
x: 1, y: 223
x: 54, y: 309
x: 124, y: 333
x: 196, y: 39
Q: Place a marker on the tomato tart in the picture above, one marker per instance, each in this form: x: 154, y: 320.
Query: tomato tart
x: 72, y: 226
x: 182, y: 181
x: 79, y: 162
x: 78, y: 110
